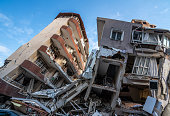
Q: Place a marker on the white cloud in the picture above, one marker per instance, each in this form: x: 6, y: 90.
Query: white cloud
x: 4, y: 50
x: 17, y: 30
x: 20, y: 32
x: 94, y: 45
x: 13, y: 31
x: 4, y: 53
x: 22, y: 41
x: 28, y: 31
x: 1, y: 62
x: 164, y: 11
x: 25, y: 22
x: 4, y: 17
x: 5, y: 20
x: 155, y: 6
x: 92, y: 37
x: 116, y: 15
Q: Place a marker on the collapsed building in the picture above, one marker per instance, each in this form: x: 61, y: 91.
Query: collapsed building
x: 53, y: 58
x: 133, y: 59
x: 127, y: 75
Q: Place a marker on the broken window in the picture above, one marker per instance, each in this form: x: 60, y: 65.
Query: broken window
x: 166, y: 42
x: 26, y: 81
x: 151, y: 38
x: 70, y: 71
x: 116, y: 35
x: 146, y: 38
x: 22, y: 80
x: 144, y: 22
x: 107, y: 74
x: 130, y: 63
x: 40, y: 63
x: 145, y: 66
x: 137, y: 36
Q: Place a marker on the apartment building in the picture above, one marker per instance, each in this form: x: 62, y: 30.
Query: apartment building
x: 128, y: 75
x: 54, y: 57
x: 147, y: 68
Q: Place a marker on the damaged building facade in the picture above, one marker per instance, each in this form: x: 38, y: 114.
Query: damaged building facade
x: 52, y: 59
x: 133, y: 60
x: 53, y: 74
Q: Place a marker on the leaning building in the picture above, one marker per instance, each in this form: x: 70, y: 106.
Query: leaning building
x: 54, y: 57
x: 132, y: 63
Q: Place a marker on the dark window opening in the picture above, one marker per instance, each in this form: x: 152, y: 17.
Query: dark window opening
x: 137, y: 36
x: 116, y: 35
x: 153, y: 84
x: 21, y: 76
x: 130, y: 63
x: 70, y: 71
x: 26, y: 81
x: 22, y: 80
x: 107, y: 74
x: 144, y: 22
x: 113, y: 35
x: 119, y: 34
x: 135, y: 94
x: 106, y: 96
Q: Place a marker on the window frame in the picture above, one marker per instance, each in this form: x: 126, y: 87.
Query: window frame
x: 133, y: 41
x: 166, y: 41
x: 144, y: 66
x: 116, y: 31
x: 140, y: 66
x: 42, y: 65
x: 160, y: 39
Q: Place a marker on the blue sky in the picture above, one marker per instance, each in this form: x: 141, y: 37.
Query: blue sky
x: 21, y: 20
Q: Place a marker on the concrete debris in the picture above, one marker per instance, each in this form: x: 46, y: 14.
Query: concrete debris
x: 53, y: 74
x: 166, y: 111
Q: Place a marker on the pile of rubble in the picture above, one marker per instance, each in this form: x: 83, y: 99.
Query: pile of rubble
x: 127, y: 75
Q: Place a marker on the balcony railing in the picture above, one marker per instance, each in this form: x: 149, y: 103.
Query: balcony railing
x: 150, y: 38
x: 12, y: 82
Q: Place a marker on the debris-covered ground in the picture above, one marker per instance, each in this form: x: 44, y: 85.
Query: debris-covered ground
x: 53, y: 74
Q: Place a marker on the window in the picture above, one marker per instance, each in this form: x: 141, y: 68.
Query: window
x: 150, y: 38
x: 166, y: 42
x: 144, y: 37
x: 137, y: 36
x: 144, y: 22
x: 145, y: 66
x: 153, y: 38
x: 116, y: 35
x: 40, y: 63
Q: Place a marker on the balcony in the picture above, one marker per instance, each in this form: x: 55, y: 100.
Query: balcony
x: 59, y: 43
x: 9, y: 89
x: 48, y: 58
x: 151, y: 37
x: 32, y: 69
x: 70, y: 40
